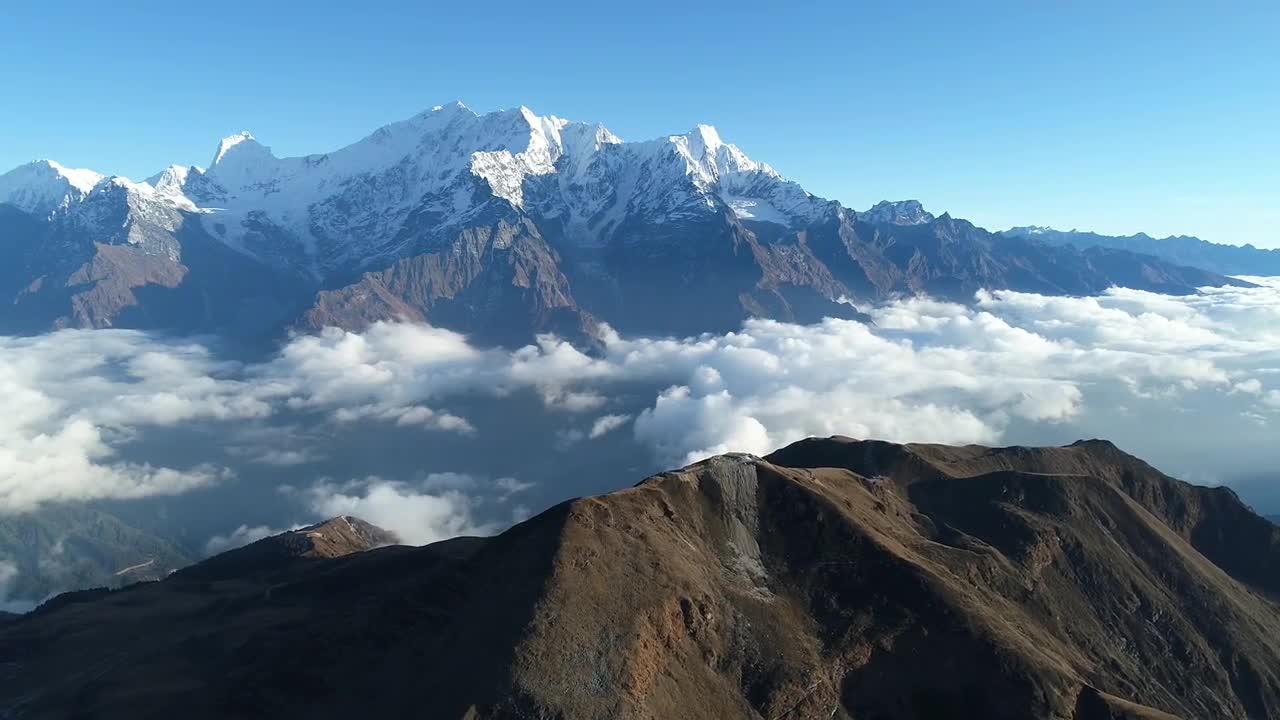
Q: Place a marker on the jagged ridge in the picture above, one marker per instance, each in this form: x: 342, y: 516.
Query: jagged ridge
x: 395, y: 226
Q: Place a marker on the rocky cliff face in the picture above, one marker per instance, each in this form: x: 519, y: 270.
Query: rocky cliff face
x: 835, y: 578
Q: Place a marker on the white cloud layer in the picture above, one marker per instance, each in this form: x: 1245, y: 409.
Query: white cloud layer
x: 418, y: 513
x: 8, y: 574
x: 606, y: 424
x: 926, y: 371
x: 71, y: 397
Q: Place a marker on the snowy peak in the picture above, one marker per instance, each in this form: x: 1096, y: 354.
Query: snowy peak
x: 582, y: 140
x: 172, y: 179
x: 753, y: 190
x: 241, y: 161
x: 82, y: 180
x: 710, y: 159
x: 703, y: 141
x: 44, y: 187
x: 524, y: 144
x: 1029, y: 230
x: 900, y: 212
x: 229, y: 143
x: 519, y: 144
x: 352, y: 204
x: 454, y: 106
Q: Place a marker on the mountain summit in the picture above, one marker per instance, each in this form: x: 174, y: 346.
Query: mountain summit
x: 903, y: 212
x: 44, y: 187
x: 833, y: 579
x: 502, y: 225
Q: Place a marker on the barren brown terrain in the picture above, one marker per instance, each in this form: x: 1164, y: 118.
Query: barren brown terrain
x: 833, y: 579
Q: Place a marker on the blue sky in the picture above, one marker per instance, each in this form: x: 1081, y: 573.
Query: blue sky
x: 1163, y: 117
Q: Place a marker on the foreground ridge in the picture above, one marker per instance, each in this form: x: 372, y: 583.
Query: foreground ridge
x: 834, y: 578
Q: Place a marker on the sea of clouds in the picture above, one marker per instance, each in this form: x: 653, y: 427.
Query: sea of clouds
x: 1128, y: 363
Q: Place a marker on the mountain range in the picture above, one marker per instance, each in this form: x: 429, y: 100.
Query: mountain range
x: 76, y: 546
x: 1179, y: 249
x: 832, y: 579
x: 501, y: 225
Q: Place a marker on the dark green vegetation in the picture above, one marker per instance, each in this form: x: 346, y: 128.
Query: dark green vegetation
x: 64, y: 546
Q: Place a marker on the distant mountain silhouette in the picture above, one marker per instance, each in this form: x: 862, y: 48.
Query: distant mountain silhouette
x: 1180, y: 249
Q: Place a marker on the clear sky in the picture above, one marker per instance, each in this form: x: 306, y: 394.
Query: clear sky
x: 1117, y: 117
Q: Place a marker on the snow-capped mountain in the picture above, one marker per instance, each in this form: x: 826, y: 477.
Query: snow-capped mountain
x: 348, y: 206
x: 502, y: 223
x: 44, y: 187
x: 902, y: 212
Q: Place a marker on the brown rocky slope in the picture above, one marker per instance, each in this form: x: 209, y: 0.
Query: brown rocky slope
x: 834, y: 579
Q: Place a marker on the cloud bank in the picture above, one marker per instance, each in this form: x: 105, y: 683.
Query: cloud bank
x: 925, y: 371
x: 438, y: 506
x: 418, y: 513
x: 72, y: 397
x: 8, y: 573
